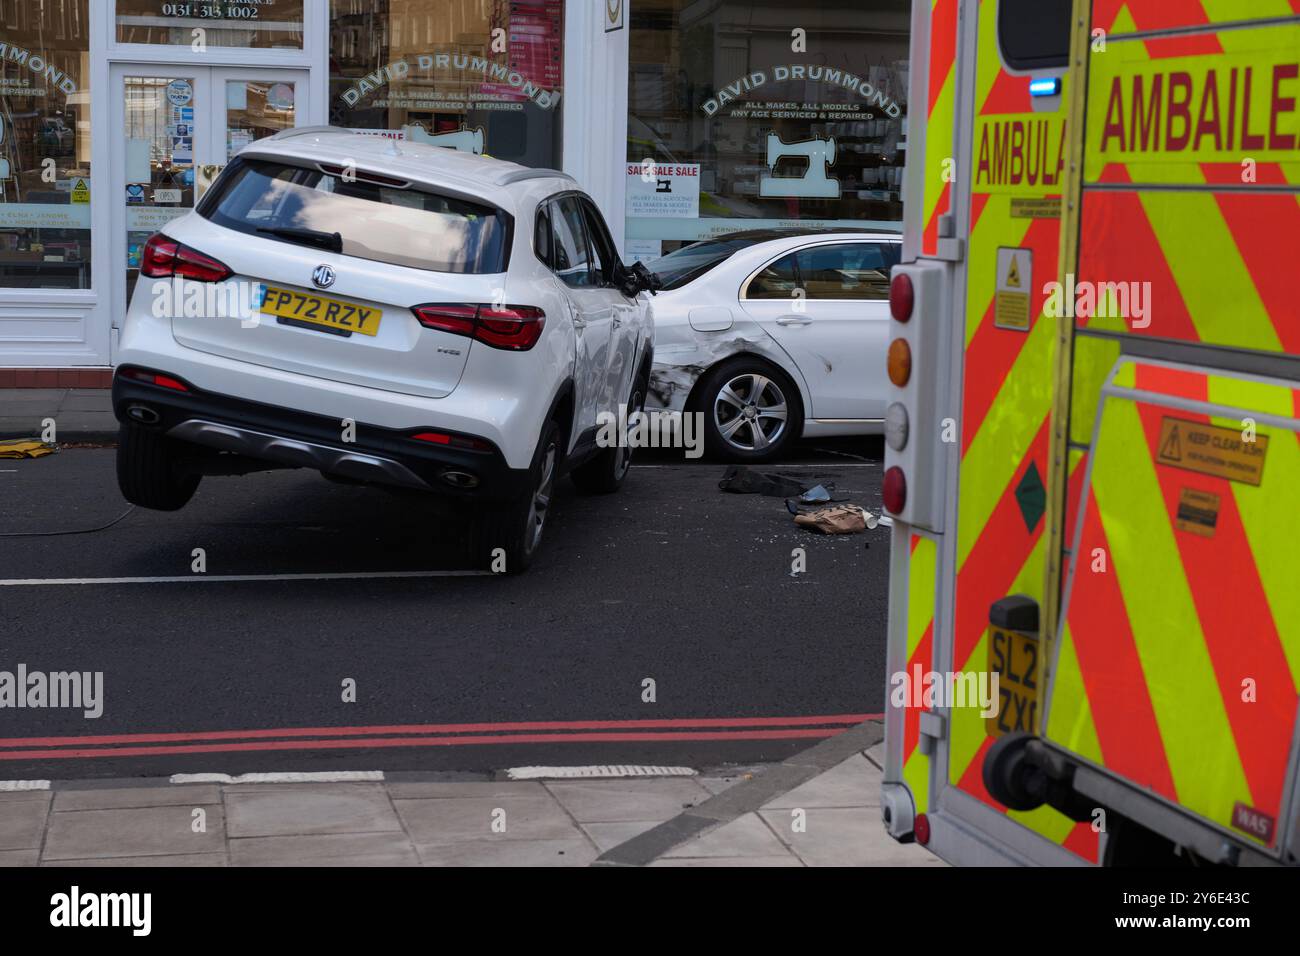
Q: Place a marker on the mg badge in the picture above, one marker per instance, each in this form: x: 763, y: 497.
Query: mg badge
x: 323, y: 276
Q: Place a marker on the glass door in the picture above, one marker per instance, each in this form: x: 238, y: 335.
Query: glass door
x: 180, y: 126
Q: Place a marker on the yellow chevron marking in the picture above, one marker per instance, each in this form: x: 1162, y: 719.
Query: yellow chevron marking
x: 1180, y: 676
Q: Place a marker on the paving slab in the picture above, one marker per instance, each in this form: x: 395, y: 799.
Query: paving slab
x: 182, y: 860
x: 746, y: 861
x: 746, y: 836
x: 572, y: 852
x: 610, y: 801
x: 535, y: 816
x: 22, y: 819
x: 309, y: 809
x: 606, y: 836
x: 336, y: 849
x: 151, y: 831
x: 853, y: 783
x: 117, y: 799
x: 846, y: 837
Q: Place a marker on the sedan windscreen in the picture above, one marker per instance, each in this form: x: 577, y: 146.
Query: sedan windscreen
x: 360, y: 217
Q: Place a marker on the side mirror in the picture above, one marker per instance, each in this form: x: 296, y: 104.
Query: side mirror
x: 635, y: 279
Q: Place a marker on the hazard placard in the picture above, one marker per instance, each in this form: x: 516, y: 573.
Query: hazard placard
x: 1212, y: 450
x: 80, y: 191
x: 1015, y: 283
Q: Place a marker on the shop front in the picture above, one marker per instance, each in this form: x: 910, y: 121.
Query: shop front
x: 682, y: 119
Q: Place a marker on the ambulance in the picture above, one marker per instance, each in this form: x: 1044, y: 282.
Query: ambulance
x: 1092, y: 458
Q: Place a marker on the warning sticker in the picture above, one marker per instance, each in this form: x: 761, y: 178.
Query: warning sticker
x: 1026, y: 208
x: 1015, y: 280
x: 1198, y: 512
x: 80, y: 191
x: 1211, y: 450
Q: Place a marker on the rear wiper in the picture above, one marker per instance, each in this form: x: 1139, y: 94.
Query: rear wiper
x: 332, y: 241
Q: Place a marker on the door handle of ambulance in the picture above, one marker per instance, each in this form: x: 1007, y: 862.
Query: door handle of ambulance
x: 794, y: 320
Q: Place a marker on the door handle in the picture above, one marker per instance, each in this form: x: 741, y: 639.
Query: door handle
x: 794, y: 320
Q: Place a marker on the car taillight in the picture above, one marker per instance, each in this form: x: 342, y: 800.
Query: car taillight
x: 902, y: 297
x: 154, y: 378
x: 457, y: 319
x: 514, y: 327
x: 894, y: 490
x: 164, y: 257
x: 454, y: 441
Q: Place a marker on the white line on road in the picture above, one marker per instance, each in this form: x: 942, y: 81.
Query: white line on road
x: 219, y: 578
x: 607, y: 770
x: 13, y: 786
x: 338, y: 776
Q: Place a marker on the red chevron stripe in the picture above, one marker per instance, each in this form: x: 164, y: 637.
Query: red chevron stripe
x: 1256, y: 222
x: 1118, y: 696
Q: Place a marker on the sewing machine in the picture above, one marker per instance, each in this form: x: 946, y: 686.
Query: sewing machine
x: 464, y: 140
x: 814, y: 183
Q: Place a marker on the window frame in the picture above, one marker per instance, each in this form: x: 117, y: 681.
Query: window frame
x: 554, y: 202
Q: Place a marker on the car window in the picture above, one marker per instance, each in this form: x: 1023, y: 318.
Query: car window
x: 777, y: 281
x: 410, y: 227
x: 857, y: 270
x: 690, y: 262
x: 570, y: 251
x: 542, y: 235
x: 601, y: 241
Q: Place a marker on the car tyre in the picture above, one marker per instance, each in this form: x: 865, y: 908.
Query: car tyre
x: 515, y: 531
x: 604, y: 473
x: 150, y: 470
x: 752, y: 410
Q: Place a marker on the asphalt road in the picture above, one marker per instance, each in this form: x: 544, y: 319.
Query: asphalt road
x: 669, y: 580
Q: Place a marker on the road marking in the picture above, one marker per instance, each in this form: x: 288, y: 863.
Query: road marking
x: 338, y: 776
x: 14, y: 786
x: 432, y: 735
x: 601, y: 772
x: 388, y: 730
x: 361, y: 743
x: 227, y: 578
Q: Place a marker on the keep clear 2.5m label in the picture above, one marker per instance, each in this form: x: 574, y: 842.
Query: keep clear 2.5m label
x: 1212, y: 450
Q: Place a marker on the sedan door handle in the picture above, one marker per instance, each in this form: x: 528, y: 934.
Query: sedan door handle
x: 794, y: 320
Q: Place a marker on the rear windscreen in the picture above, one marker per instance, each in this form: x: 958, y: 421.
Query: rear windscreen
x: 401, y: 226
x: 690, y: 262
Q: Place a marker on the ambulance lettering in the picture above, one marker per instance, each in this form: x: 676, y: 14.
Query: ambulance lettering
x: 1021, y: 152
x: 1181, y: 110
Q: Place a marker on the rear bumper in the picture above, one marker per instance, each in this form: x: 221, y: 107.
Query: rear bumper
x: 286, y: 437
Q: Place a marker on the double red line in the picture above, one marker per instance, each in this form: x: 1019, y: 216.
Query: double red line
x: 428, y: 735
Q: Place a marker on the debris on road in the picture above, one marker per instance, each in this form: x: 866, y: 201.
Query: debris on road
x: 841, y: 519
x: 740, y: 480
x: 26, y: 448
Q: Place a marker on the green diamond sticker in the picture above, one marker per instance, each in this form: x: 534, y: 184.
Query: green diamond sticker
x: 1032, y: 497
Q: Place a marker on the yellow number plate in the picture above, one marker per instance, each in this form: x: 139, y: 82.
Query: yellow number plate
x: 318, y: 310
x: 1014, y: 658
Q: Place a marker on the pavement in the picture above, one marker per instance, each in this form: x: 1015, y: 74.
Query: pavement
x: 80, y: 414
x: 818, y: 809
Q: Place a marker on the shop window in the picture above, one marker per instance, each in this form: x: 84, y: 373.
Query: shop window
x: 211, y: 23
x: 749, y: 123
x: 45, y: 192
x: 480, y: 76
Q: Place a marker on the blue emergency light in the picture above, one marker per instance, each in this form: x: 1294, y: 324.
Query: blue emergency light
x: 1051, y: 86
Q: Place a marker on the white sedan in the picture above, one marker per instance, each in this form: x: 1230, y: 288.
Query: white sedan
x: 771, y: 335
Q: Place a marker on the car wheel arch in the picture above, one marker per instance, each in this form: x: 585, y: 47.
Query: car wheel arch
x: 696, y: 397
